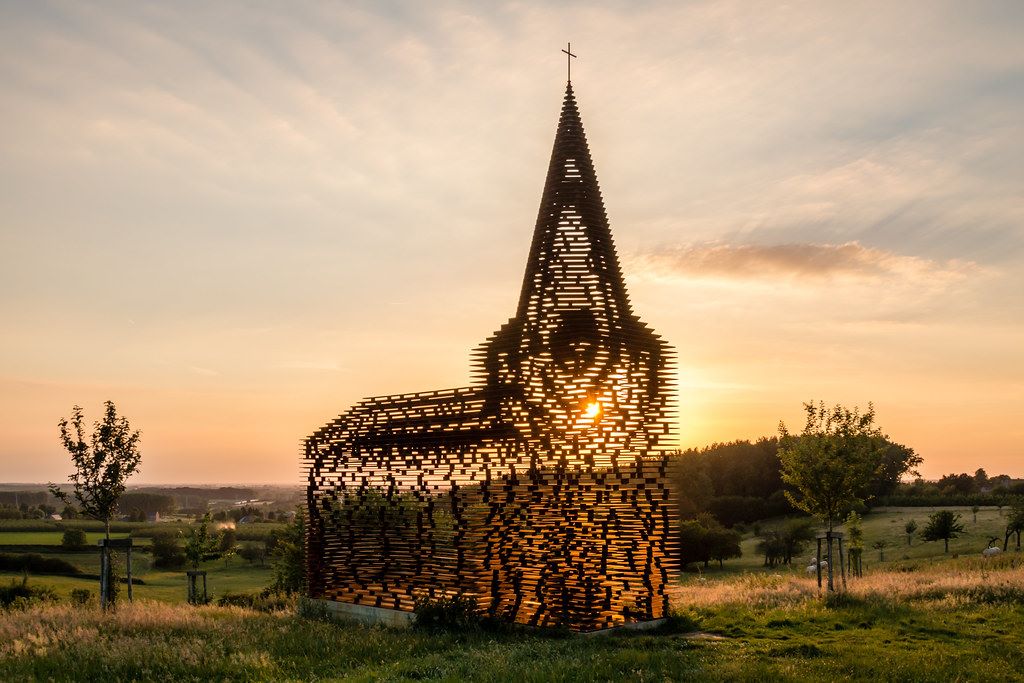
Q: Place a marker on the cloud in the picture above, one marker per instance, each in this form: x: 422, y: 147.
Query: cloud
x: 815, y: 261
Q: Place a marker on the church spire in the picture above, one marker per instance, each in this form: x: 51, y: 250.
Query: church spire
x: 572, y: 259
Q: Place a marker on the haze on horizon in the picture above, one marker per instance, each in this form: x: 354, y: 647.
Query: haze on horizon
x: 236, y: 220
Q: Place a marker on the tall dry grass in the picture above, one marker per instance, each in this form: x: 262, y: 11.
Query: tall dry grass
x: 52, y: 626
x: 997, y: 580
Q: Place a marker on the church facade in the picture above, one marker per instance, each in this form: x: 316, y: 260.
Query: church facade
x: 539, y: 493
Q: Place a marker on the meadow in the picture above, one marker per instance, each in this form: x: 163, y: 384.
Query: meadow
x: 920, y: 615
x: 954, y: 620
x: 887, y: 524
x: 230, y: 575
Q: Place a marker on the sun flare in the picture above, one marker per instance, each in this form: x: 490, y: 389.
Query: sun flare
x: 593, y: 410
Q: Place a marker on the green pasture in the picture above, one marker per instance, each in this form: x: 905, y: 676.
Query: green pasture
x: 880, y: 524
x: 161, y: 585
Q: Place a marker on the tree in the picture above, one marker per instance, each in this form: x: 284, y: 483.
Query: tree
x: 855, y: 536
x: 200, y: 544
x: 880, y: 545
x: 981, y: 477
x: 704, y: 539
x: 227, y: 543
x: 227, y: 540
x: 896, y: 460
x: 942, y: 525
x: 692, y: 485
x: 290, y: 556
x: 1014, y: 525
x: 958, y: 484
x: 148, y: 503
x: 830, y: 465
x: 253, y: 552
x: 74, y: 539
x: 910, y: 527
x: 102, y: 465
x: 782, y: 544
x: 167, y: 553
x: 974, y: 510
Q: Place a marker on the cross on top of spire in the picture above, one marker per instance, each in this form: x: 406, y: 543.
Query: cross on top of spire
x: 568, y: 61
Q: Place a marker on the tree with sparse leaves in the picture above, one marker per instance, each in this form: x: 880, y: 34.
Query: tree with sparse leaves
x: 102, y: 464
x: 855, y: 540
x: 102, y: 467
x: 1014, y: 525
x: 200, y: 544
x: 289, y: 554
x: 942, y: 526
x: 831, y: 464
x: 910, y: 527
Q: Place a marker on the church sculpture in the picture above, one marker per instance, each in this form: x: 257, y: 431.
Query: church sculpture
x: 539, y: 493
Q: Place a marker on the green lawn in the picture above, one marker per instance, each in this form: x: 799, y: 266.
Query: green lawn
x: 160, y: 585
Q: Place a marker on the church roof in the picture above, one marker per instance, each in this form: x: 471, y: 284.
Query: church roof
x: 572, y: 258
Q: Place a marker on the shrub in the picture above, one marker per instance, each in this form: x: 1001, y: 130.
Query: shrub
x: 703, y: 539
x: 74, y: 539
x: 454, y: 613
x: 167, y: 554
x: 36, y: 564
x: 20, y: 594
x: 82, y: 597
x: 253, y: 552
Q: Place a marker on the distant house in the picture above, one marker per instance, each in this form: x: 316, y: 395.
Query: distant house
x: 248, y: 519
x: 55, y: 517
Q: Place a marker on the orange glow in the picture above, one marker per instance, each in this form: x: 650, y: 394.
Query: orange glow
x: 593, y: 410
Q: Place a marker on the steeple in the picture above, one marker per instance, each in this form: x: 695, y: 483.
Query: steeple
x: 572, y: 260
x: 575, y: 358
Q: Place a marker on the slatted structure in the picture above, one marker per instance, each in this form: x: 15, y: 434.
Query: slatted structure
x: 540, y: 492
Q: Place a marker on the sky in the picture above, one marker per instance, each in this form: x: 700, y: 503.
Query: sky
x: 236, y: 219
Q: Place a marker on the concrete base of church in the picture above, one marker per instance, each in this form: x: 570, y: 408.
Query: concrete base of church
x: 631, y: 626
x: 366, y: 614
x: 382, y: 616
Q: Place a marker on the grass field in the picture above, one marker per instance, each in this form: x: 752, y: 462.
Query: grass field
x: 44, y: 537
x: 885, y: 524
x: 55, y: 537
x: 952, y: 620
x: 236, y: 575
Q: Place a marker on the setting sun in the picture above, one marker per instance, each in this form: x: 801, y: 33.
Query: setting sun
x: 593, y: 410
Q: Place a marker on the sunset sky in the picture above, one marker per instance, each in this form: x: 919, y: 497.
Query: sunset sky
x: 236, y: 219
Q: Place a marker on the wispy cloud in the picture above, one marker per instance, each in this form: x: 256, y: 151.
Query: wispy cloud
x: 747, y: 261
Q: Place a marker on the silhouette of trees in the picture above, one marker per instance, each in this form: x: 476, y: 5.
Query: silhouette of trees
x: 704, y: 539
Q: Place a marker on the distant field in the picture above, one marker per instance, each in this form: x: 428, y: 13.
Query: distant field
x: 160, y: 585
x: 55, y: 537
x: 952, y: 620
x: 886, y: 524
